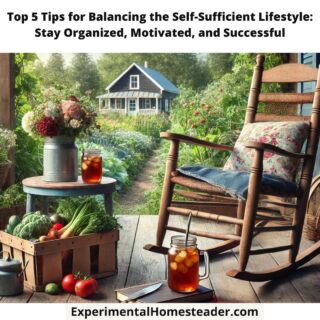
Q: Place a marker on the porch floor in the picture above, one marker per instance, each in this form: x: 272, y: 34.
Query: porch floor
x: 137, y: 266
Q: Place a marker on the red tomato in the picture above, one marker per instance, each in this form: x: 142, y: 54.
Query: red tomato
x: 86, y: 288
x: 57, y: 226
x: 69, y: 282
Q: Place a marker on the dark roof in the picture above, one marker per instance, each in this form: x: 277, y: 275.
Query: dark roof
x: 160, y: 79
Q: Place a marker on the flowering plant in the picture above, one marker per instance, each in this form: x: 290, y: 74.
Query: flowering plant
x: 58, y: 116
x: 7, y: 141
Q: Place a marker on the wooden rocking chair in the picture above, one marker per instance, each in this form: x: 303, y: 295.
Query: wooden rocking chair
x: 250, y: 218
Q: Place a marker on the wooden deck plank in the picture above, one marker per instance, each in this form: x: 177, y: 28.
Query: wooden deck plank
x: 138, y: 266
x: 278, y: 290
x: 306, y: 280
x: 145, y: 266
x: 23, y: 298
x: 226, y: 289
x: 107, y: 286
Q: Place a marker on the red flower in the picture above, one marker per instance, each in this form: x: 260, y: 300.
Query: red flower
x: 47, y: 127
x: 202, y: 121
x: 193, y: 126
x: 74, y: 98
x: 196, y: 113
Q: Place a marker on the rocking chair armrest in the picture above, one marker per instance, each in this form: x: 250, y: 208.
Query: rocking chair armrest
x: 192, y: 140
x: 273, y: 149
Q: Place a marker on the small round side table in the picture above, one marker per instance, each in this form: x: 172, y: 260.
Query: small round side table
x: 35, y: 186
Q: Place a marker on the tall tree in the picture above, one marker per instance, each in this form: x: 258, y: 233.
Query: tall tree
x: 53, y: 73
x: 83, y: 70
x: 219, y: 64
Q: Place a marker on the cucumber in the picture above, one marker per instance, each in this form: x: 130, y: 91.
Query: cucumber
x: 14, y: 221
x: 52, y: 288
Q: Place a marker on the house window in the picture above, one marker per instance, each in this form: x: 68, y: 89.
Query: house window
x: 147, y: 104
x: 166, y: 105
x: 134, y: 81
x: 118, y: 103
x: 132, y: 105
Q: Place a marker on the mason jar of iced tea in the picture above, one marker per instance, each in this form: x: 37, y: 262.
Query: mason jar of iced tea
x: 183, y: 264
x: 91, y: 166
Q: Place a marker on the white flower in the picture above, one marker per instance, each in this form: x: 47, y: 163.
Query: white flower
x: 74, y: 123
x: 28, y: 122
x: 52, y: 110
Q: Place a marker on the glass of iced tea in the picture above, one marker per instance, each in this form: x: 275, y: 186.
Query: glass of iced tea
x: 91, y: 166
x: 183, y: 264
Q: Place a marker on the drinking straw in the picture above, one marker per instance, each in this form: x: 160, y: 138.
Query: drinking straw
x: 188, y: 228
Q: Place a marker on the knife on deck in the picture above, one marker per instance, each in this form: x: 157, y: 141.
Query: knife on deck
x: 143, y: 292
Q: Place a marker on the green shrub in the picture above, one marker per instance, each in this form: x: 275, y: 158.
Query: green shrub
x: 152, y: 125
x: 12, y: 196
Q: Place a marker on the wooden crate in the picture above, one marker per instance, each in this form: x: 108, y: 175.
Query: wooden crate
x: 49, y: 261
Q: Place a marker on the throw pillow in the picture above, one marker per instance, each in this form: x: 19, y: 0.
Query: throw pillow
x: 289, y: 136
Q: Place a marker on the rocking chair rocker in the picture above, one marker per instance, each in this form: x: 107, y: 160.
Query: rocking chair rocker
x: 251, y: 212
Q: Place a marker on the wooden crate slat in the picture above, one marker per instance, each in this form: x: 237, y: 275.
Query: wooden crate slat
x: 6, y: 248
x: 81, y: 260
x: 52, y: 268
x: 107, y: 257
x: 30, y: 272
x: 17, y: 243
x: 47, y: 247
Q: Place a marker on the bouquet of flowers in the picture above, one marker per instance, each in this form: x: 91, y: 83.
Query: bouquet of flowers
x: 58, y: 117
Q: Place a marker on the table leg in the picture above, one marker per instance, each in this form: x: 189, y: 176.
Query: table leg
x: 108, y: 203
x: 45, y: 205
x: 30, y: 203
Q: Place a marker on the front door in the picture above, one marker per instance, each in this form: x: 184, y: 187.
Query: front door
x: 132, y: 109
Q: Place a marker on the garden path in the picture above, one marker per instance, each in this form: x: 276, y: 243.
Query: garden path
x: 134, y: 196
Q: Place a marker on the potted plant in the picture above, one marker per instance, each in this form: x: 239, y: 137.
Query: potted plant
x: 59, y: 121
x: 7, y: 142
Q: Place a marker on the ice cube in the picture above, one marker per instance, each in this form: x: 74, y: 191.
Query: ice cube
x: 96, y: 159
x: 191, y: 252
x: 180, y: 256
x: 173, y: 265
x: 84, y: 166
x: 182, y: 268
x: 189, y: 262
x: 88, y: 162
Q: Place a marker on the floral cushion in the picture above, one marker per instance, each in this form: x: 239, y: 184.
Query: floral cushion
x: 289, y: 136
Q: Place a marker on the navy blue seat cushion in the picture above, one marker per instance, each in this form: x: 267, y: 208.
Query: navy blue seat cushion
x: 235, y: 183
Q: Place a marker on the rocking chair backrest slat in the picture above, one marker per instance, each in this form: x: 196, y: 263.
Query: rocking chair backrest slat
x: 293, y: 98
x: 290, y: 73
x: 268, y: 117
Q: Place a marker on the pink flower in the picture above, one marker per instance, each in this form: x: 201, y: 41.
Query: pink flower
x: 72, y: 109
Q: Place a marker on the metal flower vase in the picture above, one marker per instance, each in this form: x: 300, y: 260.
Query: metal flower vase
x: 60, y: 159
